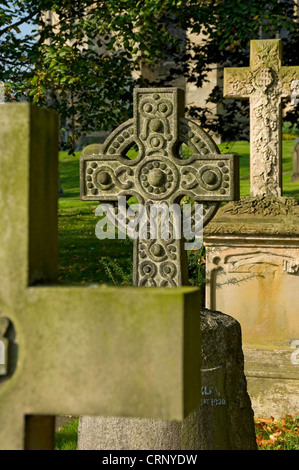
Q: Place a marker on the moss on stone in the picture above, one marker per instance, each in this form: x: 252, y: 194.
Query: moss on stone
x: 257, y: 216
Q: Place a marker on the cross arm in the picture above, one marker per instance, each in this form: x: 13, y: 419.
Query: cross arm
x: 237, y: 82
x: 211, y: 178
x: 104, y: 352
x: 105, y: 177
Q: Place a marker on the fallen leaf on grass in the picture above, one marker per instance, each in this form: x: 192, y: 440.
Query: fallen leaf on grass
x: 276, y: 434
x: 259, y: 439
x: 266, y: 420
x: 268, y: 442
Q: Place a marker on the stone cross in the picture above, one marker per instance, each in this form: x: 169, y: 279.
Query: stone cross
x: 72, y: 349
x: 265, y: 83
x: 158, y: 175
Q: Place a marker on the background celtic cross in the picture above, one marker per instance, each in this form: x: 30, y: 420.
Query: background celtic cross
x: 265, y: 83
x: 159, y: 175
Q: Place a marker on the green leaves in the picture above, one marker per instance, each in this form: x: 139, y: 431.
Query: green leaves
x: 88, y: 55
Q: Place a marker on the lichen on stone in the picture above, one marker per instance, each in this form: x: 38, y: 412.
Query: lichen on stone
x: 263, y: 205
x: 257, y: 216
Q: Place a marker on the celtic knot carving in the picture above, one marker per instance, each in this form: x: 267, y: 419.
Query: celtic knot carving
x: 104, y: 178
x: 148, y: 271
x: 168, y: 271
x: 155, y: 112
x: 154, y: 276
x: 120, y: 140
x: 158, y: 250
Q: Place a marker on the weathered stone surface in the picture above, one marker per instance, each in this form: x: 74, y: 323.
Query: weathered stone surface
x: 223, y: 371
x: 265, y: 83
x: 96, y: 433
x: 223, y: 421
x: 252, y: 269
x: 272, y: 381
x: 257, y: 216
x: 98, y: 390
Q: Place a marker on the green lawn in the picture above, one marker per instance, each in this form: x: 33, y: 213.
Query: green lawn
x: 66, y: 437
x: 82, y: 255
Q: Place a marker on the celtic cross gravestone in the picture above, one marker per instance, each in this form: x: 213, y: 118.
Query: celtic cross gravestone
x: 265, y: 83
x: 159, y: 175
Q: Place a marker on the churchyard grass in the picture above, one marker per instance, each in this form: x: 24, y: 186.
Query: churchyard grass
x: 66, y: 436
x: 80, y: 250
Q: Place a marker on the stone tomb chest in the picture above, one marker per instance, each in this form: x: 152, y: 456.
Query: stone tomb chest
x: 253, y: 273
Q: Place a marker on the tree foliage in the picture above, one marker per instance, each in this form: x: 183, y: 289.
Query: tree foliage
x: 86, y: 62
